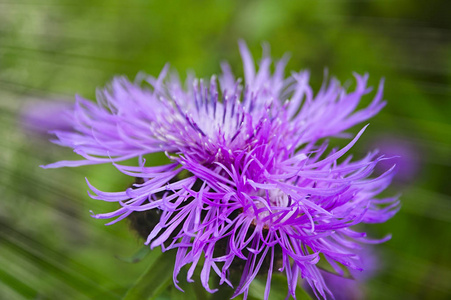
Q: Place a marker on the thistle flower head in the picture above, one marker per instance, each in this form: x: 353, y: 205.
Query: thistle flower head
x: 251, y: 183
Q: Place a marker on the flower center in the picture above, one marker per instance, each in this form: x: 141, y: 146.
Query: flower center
x: 270, y: 206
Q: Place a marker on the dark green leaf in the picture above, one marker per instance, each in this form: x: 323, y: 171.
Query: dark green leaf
x: 137, y: 257
x: 155, y: 279
x: 279, y: 289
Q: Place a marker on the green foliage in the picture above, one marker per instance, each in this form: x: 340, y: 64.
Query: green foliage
x: 138, y: 256
x: 155, y: 279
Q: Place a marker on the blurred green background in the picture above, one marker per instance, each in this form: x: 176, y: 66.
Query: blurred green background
x: 50, y: 247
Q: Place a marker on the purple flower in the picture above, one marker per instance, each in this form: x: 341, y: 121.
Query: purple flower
x: 405, y: 154
x: 351, y: 287
x: 251, y: 185
x: 40, y: 117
